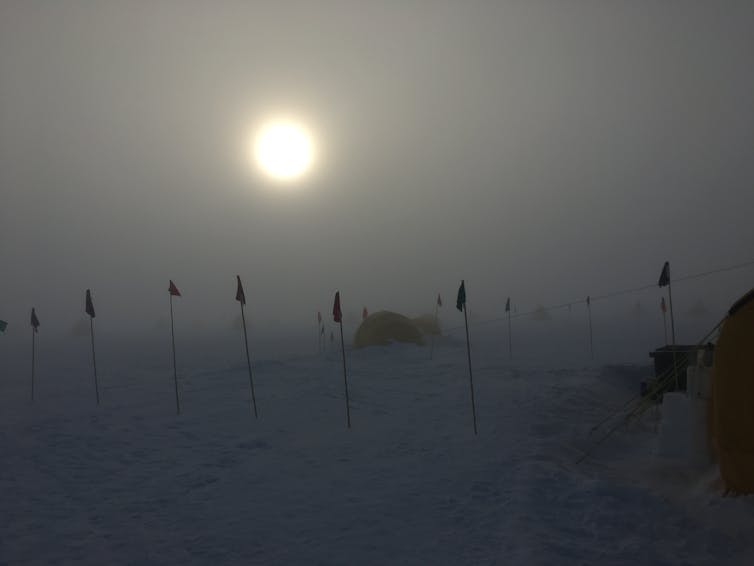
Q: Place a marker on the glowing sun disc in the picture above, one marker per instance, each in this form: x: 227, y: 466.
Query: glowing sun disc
x: 284, y: 150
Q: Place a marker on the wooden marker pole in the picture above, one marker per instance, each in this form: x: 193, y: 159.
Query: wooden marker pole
x: 664, y: 319
x: 345, y: 376
x: 461, y: 306
x: 248, y: 363
x: 89, y: 309
x: 589, y: 315
x: 33, y: 358
x: 94, y: 359
x: 471, y: 376
x: 34, y: 329
x: 510, y: 334
x: 338, y: 317
x: 175, y: 367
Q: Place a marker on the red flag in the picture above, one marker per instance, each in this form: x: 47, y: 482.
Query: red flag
x: 337, y: 314
x: 364, y: 313
x: 240, y: 295
x: 439, y: 300
x: 34, y: 320
x: 89, y: 304
x: 663, y: 308
x: 173, y: 290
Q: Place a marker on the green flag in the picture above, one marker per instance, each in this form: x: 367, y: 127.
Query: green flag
x: 3, y: 325
x: 461, y: 301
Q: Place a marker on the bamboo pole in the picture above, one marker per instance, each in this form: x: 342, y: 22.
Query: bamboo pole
x: 175, y: 368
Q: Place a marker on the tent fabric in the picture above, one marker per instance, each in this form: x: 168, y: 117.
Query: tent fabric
x: 383, y: 327
x: 732, y: 400
x: 428, y: 324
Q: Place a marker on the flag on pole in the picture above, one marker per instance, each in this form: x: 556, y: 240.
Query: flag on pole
x: 3, y: 325
x: 337, y: 314
x: 461, y: 300
x: 319, y: 317
x: 588, y: 300
x: 240, y: 295
x: 461, y: 306
x: 89, y: 305
x: 508, y: 305
x: 34, y: 320
x: 173, y: 290
x: 364, y: 313
x: 663, y: 307
x: 439, y: 300
x: 89, y: 308
x: 665, y: 275
x: 322, y: 332
x: 241, y: 298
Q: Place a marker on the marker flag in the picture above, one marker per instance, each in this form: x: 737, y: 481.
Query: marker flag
x: 337, y: 314
x: 665, y: 275
x: 461, y: 300
x: 173, y: 290
x: 89, y: 305
x: 240, y: 295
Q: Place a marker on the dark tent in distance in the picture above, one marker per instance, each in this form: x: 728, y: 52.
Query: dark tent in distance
x: 428, y: 324
x: 384, y: 327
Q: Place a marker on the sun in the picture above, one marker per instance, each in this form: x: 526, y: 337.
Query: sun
x: 284, y: 150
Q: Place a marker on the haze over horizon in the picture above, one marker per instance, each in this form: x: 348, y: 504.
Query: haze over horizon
x: 542, y: 151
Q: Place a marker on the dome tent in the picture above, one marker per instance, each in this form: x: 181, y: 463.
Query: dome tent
x: 732, y: 400
x: 384, y: 327
x: 428, y: 324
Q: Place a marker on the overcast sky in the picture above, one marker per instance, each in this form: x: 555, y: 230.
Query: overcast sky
x: 540, y: 149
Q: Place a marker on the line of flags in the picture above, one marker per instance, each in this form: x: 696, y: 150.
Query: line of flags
x: 664, y: 281
x: 337, y: 313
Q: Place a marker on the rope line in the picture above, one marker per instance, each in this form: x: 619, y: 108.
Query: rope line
x: 609, y: 295
x: 642, y: 402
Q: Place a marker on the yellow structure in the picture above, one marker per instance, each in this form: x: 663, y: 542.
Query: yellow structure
x: 732, y: 400
x: 384, y: 327
x: 428, y: 324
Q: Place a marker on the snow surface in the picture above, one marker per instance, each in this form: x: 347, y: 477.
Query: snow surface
x: 130, y: 482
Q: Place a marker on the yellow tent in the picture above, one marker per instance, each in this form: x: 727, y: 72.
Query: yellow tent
x: 384, y: 327
x: 428, y: 324
x: 732, y: 400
